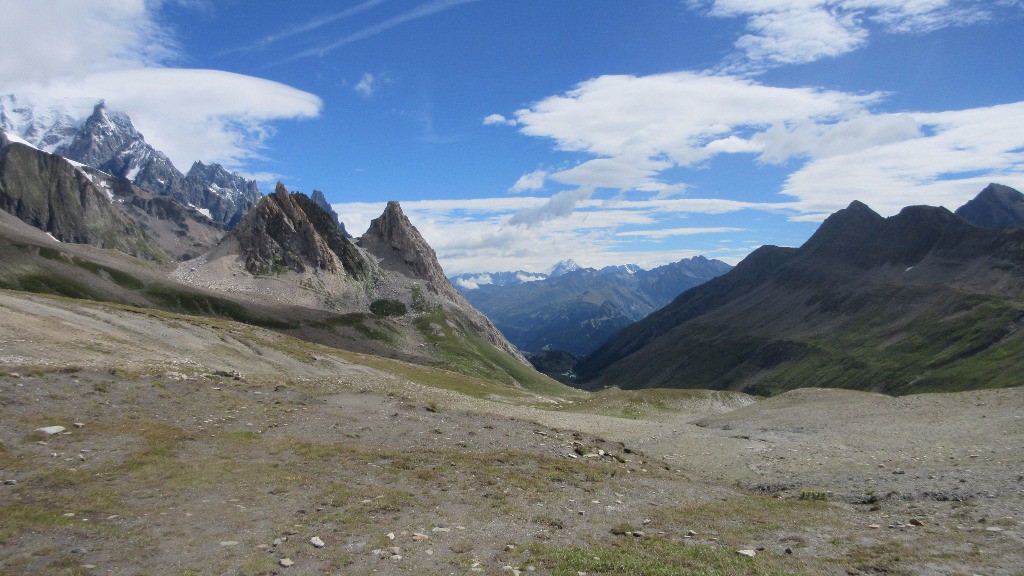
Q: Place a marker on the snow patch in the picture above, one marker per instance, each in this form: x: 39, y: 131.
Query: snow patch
x: 12, y: 137
x: 52, y: 237
x: 203, y: 211
x: 133, y: 173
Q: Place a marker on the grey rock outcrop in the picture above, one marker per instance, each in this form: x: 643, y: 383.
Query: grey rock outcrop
x: 290, y: 232
x: 49, y: 193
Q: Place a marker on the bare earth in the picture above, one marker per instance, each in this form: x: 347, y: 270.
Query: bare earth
x: 166, y: 467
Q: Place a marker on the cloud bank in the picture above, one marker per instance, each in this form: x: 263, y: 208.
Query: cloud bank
x: 73, y: 54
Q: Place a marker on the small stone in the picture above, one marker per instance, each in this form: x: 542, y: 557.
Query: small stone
x: 916, y: 522
x: 419, y: 537
x: 899, y: 471
x: 229, y: 543
x: 79, y: 424
x: 691, y: 533
x: 788, y: 550
x: 391, y: 535
x: 747, y: 553
x: 51, y: 430
x: 10, y: 482
x: 317, y: 542
x: 874, y: 526
x: 441, y: 529
x: 394, y: 550
x: 69, y: 514
x: 278, y: 542
x: 78, y: 550
x: 639, y: 534
x: 510, y: 547
x: 396, y: 557
x: 994, y: 529
x: 286, y: 562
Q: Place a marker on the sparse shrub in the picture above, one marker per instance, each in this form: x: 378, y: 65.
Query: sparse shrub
x: 387, y: 307
x: 814, y: 495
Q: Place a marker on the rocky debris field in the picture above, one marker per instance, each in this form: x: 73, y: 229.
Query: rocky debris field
x: 194, y: 446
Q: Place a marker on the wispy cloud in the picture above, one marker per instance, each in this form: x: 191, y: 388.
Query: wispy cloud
x: 782, y: 32
x: 663, y: 233
x: 308, y: 26
x: 421, y: 11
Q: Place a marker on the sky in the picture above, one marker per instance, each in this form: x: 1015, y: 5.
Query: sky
x: 517, y: 133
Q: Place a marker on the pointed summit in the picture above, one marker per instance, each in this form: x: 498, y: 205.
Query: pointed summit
x: 997, y: 206
x: 563, y: 267
x: 289, y: 231
x: 402, y: 249
x: 322, y: 202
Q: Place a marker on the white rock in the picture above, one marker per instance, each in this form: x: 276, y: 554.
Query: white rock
x: 317, y: 542
x: 51, y: 430
x: 748, y: 553
x: 286, y: 562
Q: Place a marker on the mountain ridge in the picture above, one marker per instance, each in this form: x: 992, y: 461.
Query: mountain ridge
x: 847, y: 309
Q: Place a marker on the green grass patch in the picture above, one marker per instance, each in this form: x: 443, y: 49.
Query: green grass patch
x: 194, y: 303
x: 46, y: 282
x: 120, y: 278
x: 650, y: 557
x: 388, y: 307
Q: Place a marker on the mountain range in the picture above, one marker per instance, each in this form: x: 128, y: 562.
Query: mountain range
x: 286, y: 263
x: 107, y: 141
x: 926, y: 300
x: 574, y: 309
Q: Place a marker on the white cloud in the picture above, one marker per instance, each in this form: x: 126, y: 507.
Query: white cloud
x: 478, y: 235
x: 366, y: 86
x: 498, y: 120
x: 634, y: 129
x: 956, y: 154
x: 76, y: 53
x: 801, y: 31
x: 529, y: 182
x: 662, y: 233
x: 69, y: 38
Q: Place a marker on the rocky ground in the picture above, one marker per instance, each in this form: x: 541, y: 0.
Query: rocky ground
x: 195, y: 446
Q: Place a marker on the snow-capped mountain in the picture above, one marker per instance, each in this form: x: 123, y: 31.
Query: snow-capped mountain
x: 108, y: 140
x: 46, y: 129
x: 563, y: 267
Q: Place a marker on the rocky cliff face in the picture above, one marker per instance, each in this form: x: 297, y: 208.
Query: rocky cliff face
x: 48, y: 192
x: 290, y: 232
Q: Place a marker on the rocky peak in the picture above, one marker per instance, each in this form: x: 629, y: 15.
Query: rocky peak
x: 289, y: 231
x: 102, y: 138
x: 997, y: 206
x: 392, y: 238
x: 563, y: 267
x: 322, y: 202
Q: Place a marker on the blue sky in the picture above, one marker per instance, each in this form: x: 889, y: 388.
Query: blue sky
x: 518, y: 133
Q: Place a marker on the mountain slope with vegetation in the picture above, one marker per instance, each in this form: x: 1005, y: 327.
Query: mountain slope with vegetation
x: 921, y: 301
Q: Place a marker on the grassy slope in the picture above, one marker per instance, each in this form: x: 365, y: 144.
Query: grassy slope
x: 30, y: 267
